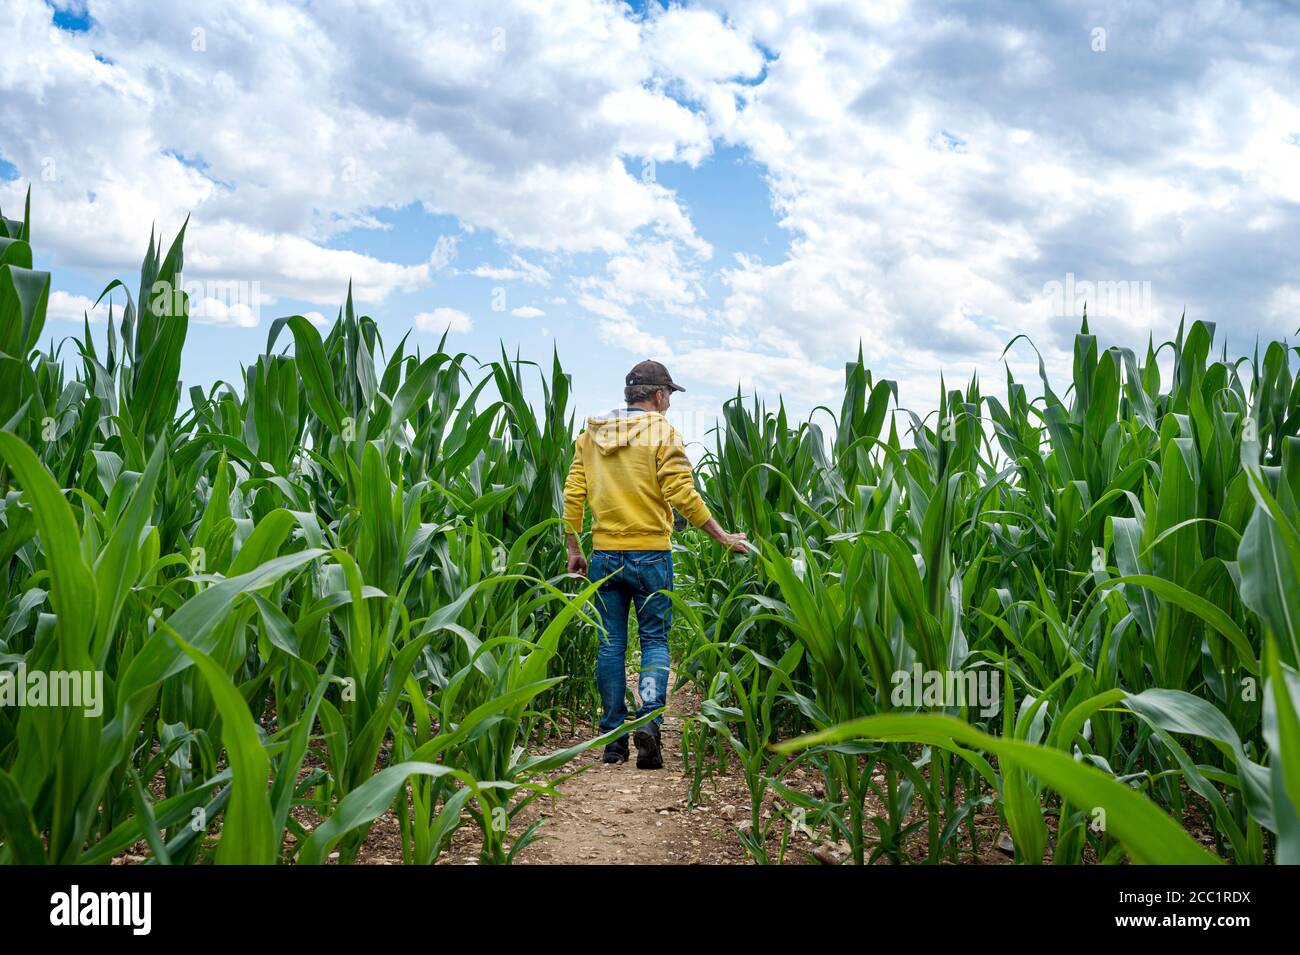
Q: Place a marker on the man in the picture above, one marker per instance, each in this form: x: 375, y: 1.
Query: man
x: 631, y: 467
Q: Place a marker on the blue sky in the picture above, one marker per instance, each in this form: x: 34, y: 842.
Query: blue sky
x: 725, y: 195
x: 746, y: 191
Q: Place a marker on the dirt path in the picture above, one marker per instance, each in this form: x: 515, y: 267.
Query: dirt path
x: 623, y: 815
x: 618, y: 814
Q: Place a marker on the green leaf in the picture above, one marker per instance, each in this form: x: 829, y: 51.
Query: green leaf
x: 366, y: 803
x: 1148, y: 834
x: 248, y: 835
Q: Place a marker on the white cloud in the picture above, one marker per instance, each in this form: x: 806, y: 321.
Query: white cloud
x: 620, y: 328
x: 66, y: 307
x: 609, y: 310
x: 665, y: 129
x: 519, y: 270
x: 649, y: 276
x: 444, y: 250
x: 212, y: 311
x: 695, y: 46
x: 933, y: 167
x: 527, y: 311
x: 732, y: 366
x: 1283, y: 311
x: 936, y: 167
x: 279, y: 134
x: 629, y: 335
x: 442, y: 319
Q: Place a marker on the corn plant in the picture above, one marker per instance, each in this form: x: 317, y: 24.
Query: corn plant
x: 1122, y: 557
x: 334, y: 589
x: 331, y: 590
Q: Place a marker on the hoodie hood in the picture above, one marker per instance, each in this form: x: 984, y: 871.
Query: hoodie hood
x: 623, y: 426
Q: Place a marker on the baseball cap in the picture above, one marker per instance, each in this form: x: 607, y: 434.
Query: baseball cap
x: 651, y: 373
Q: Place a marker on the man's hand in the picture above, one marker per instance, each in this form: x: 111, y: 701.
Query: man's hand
x: 577, y: 563
x: 737, y: 542
x: 732, y: 542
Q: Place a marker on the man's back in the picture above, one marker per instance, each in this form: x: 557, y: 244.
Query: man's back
x: 631, y: 466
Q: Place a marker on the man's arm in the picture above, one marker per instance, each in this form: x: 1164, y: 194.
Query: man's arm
x: 575, y: 495
x: 736, y: 542
x: 577, y: 564
x: 679, y: 488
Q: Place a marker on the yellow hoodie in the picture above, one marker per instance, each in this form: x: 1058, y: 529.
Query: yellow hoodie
x: 632, y: 467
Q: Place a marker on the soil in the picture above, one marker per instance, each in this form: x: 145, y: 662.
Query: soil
x: 619, y: 814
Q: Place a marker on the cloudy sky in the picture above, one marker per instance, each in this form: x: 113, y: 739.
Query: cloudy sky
x: 746, y: 191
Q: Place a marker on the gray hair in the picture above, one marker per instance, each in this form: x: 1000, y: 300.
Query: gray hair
x: 635, y: 394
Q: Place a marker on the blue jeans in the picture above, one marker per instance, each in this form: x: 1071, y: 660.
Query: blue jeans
x: 637, y: 575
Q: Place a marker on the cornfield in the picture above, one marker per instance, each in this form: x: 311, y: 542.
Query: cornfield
x: 335, y: 589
